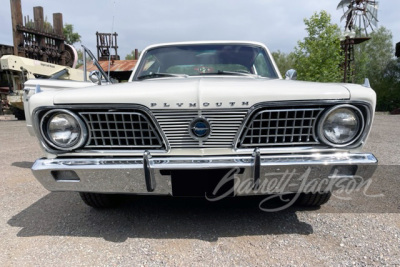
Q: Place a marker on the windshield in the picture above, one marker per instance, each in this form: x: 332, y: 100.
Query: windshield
x: 212, y: 59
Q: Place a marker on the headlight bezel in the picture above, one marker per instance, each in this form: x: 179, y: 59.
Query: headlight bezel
x: 44, y: 125
x: 360, y: 115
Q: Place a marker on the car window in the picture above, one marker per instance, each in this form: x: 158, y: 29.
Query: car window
x: 204, y: 59
x: 206, y: 68
x: 261, y: 67
x: 150, y: 65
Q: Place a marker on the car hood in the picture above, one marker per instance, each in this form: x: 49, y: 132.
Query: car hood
x: 202, y: 92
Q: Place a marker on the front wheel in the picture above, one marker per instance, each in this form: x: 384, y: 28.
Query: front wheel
x: 313, y: 199
x: 100, y: 201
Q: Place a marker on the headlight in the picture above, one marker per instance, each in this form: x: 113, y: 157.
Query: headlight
x: 63, y: 129
x: 341, y: 125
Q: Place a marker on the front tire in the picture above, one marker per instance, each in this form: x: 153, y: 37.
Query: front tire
x: 313, y: 199
x: 100, y: 201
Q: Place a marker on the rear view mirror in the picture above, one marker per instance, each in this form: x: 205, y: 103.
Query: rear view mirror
x: 291, y: 74
x: 95, y: 76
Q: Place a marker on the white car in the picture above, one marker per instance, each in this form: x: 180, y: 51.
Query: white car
x: 210, y: 119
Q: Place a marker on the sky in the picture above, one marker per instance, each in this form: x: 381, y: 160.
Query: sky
x: 278, y: 24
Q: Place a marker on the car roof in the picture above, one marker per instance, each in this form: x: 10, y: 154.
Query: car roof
x: 205, y: 42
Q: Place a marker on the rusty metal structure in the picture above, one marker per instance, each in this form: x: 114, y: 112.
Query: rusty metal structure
x: 347, y: 46
x: 361, y: 17
x: 106, y: 42
x: 109, y: 60
x: 6, y: 50
x: 119, y: 69
x: 38, y: 39
x: 36, y: 43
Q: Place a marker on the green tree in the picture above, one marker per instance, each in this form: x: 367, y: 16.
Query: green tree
x: 71, y: 37
x: 131, y: 55
x: 284, y: 61
x: 80, y: 58
x: 318, y: 56
x: 374, y: 60
x: 388, y: 87
x: 47, y: 27
x: 372, y: 57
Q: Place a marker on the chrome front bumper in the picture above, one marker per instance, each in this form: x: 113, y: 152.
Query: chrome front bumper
x: 152, y: 175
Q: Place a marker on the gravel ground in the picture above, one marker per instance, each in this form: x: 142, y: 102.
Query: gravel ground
x: 39, y: 228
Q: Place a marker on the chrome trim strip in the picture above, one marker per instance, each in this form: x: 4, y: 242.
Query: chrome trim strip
x: 169, y: 163
x: 207, y: 152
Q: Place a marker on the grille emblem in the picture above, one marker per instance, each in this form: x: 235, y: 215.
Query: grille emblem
x: 200, y: 128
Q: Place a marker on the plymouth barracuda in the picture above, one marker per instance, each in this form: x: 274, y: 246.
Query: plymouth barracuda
x: 211, y: 119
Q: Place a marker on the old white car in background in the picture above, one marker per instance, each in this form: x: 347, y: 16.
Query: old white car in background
x: 194, y: 114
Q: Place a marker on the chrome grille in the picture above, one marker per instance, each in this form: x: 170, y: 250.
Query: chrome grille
x: 121, y: 130
x: 224, y: 127
x: 280, y: 127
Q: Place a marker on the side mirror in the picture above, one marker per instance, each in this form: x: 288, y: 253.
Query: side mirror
x: 291, y: 74
x: 95, y: 77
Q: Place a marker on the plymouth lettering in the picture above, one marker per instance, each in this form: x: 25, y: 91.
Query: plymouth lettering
x: 204, y: 104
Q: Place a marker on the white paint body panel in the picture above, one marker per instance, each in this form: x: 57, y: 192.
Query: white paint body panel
x: 202, y: 92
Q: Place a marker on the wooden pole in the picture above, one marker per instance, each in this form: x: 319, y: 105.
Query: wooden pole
x: 58, y: 23
x: 38, y: 18
x: 58, y: 29
x: 16, y: 19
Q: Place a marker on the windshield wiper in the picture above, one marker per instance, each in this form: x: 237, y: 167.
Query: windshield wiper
x: 242, y: 73
x: 225, y: 72
x: 160, y: 75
